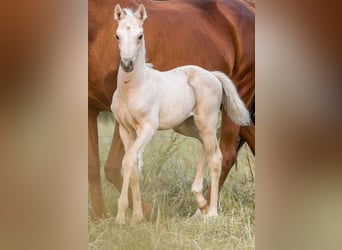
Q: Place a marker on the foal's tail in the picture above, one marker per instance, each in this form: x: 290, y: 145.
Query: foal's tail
x: 232, y: 102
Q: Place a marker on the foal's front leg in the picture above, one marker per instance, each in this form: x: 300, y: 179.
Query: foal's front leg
x: 128, y: 138
x: 130, y: 173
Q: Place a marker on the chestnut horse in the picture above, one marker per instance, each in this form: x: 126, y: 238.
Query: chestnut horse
x: 218, y: 36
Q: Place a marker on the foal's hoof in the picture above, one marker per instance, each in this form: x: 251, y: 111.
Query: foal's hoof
x: 211, y: 215
x: 204, y: 209
x: 120, y: 220
x: 137, y: 218
x: 197, y: 215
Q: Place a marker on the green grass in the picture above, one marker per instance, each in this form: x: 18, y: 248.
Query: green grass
x: 170, y: 162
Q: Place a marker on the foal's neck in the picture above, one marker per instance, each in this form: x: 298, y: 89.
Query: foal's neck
x: 131, y: 79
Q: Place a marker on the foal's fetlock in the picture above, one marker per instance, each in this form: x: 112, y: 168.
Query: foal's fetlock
x: 120, y: 220
x: 212, y: 213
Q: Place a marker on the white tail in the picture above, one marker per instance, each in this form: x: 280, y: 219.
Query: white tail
x: 234, y: 106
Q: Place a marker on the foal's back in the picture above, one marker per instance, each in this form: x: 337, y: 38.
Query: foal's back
x: 180, y: 92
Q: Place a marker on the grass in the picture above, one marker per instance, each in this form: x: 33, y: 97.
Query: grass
x: 170, y: 162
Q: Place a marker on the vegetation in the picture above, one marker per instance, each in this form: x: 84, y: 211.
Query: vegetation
x: 170, y: 162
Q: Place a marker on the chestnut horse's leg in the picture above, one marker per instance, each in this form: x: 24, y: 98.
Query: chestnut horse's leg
x: 113, y: 164
x: 248, y: 135
x: 94, y: 168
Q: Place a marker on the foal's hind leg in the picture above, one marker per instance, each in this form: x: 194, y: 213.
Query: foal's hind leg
x: 188, y: 128
x: 207, y: 130
x: 197, y: 186
x: 215, y: 160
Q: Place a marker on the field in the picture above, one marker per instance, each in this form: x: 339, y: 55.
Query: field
x: 170, y: 162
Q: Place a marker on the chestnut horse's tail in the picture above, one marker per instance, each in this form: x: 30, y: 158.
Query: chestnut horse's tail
x: 234, y: 106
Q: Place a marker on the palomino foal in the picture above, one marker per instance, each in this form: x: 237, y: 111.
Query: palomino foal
x: 147, y: 100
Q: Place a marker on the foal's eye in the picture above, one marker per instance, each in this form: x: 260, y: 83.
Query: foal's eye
x: 140, y: 37
x: 117, y: 37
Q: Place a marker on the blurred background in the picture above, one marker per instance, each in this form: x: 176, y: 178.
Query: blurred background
x: 43, y: 96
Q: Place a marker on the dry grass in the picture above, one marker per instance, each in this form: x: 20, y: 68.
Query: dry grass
x: 170, y: 162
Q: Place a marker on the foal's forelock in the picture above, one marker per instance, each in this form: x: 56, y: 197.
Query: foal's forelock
x: 128, y: 12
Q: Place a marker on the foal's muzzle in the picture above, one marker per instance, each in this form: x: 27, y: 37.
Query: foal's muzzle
x: 127, y: 64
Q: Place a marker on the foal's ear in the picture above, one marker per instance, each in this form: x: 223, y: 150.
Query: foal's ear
x: 141, y: 13
x: 118, y: 13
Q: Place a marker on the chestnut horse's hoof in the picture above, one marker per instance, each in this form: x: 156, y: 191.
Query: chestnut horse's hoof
x: 149, y: 211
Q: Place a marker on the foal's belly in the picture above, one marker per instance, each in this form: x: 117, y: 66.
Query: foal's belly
x: 173, y: 120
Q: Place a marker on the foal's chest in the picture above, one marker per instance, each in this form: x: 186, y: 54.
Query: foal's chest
x: 129, y: 110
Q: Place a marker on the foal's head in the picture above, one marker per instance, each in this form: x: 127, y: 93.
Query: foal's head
x: 129, y: 34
